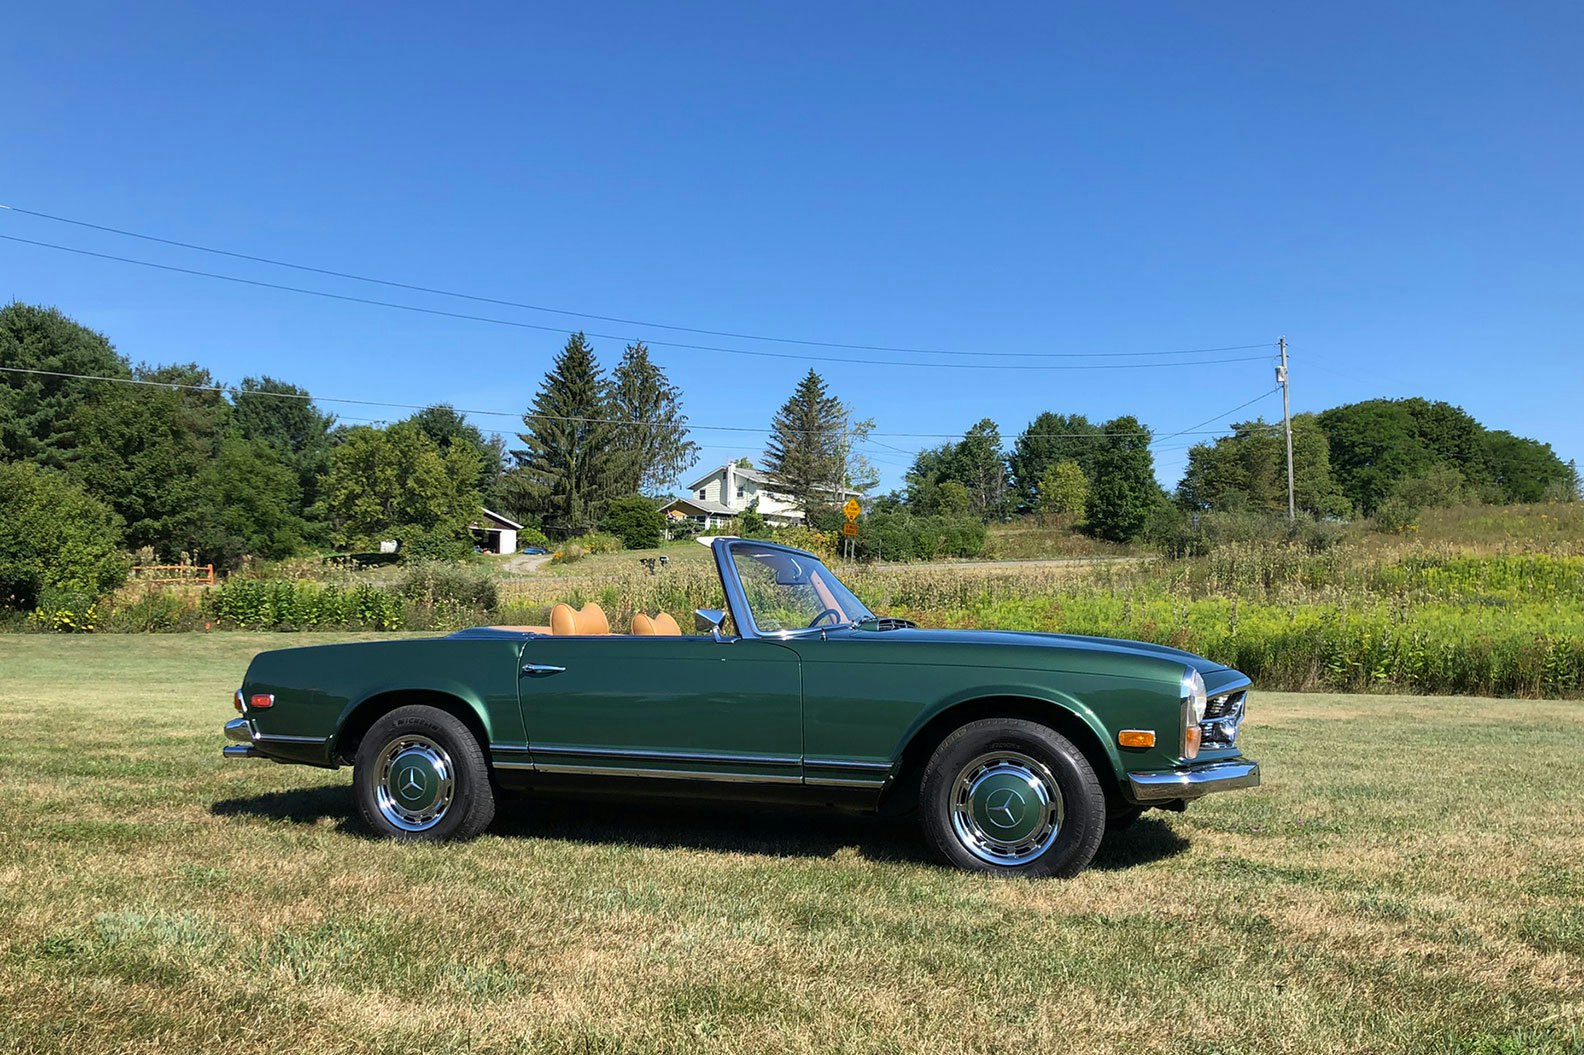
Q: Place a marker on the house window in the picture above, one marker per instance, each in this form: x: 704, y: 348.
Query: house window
x: 701, y: 494
x: 739, y: 492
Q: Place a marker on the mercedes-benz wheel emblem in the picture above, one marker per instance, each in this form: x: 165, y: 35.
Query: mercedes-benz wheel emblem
x: 1000, y: 809
x: 412, y: 783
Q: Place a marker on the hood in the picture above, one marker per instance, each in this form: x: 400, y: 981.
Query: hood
x: 1112, y: 646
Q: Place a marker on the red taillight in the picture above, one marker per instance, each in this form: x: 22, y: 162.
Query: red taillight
x: 261, y: 701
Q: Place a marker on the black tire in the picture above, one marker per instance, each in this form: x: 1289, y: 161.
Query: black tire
x: 420, y: 774
x: 1064, y: 809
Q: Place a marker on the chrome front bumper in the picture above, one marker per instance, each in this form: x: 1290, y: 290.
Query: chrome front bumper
x: 1190, y: 782
x: 240, y: 731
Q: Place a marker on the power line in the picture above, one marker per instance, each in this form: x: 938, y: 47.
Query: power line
x: 412, y: 287
x: 308, y: 397
x: 611, y: 336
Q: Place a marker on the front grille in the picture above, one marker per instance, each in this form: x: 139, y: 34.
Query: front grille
x: 1223, y: 717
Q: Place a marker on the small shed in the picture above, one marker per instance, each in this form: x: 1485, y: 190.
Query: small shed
x: 495, y: 533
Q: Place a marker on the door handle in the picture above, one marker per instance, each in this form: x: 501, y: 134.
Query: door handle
x: 541, y: 670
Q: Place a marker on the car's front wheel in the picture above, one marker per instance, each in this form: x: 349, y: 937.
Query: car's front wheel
x: 420, y: 774
x: 1014, y: 797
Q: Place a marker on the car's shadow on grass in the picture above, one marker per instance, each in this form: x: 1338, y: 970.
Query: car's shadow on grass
x: 779, y: 831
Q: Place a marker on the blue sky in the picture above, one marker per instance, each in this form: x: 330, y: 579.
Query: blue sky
x: 1393, y: 187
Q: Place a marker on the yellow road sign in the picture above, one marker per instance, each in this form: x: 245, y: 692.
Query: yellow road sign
x: 850, y: 529
x: 852, y: 509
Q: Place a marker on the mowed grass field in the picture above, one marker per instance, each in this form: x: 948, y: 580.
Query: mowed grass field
x: 1409, y: 879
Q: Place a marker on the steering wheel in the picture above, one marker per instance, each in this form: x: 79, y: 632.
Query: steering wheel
x: 837, y: 612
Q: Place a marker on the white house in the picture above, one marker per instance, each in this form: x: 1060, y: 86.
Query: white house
x: 495, y: 533
x: 726, y: 491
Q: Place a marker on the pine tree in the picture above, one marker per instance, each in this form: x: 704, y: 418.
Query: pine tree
x: 571, y: 461
x: 654, y: 449
x: 803, y: 456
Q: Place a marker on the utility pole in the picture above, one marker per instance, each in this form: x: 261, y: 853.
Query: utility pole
x: 1281, y: 379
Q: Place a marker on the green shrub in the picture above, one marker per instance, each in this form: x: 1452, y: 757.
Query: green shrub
x: 532, y: 536
x: 54, y: 537
x: 434, y: 583
x: 600, y: 542
x: 635, y: 520
x: 153, y: 611
x: 67, y: 612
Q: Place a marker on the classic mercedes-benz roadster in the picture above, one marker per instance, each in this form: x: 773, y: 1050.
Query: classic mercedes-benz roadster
x: 1017, y: 750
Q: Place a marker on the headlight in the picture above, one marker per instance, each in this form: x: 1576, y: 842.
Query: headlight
x: 1193, y: 705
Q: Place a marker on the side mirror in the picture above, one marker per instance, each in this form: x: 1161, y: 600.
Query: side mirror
x: 709, y: 619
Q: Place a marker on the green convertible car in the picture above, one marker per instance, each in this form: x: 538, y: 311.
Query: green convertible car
x: 1017, y: 750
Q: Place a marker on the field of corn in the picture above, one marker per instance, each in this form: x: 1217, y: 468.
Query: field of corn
x: 1481, y: 602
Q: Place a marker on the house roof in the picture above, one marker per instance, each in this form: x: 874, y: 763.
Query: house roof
x: 500, y: 521
x: 712, y: 508
x: 755, y: 475
x: 748, y: 474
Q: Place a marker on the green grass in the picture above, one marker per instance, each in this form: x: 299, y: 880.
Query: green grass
x: 1409, y: 880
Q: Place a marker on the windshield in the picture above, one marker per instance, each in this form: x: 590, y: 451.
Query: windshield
x: 792, y: 591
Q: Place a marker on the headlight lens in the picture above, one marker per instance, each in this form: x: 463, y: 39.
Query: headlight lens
x: 1194, y: 702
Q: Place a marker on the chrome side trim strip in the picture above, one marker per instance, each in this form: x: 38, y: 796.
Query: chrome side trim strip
x: 1190, y: 782
x: 513, y: 765
x: 281, y: 738
x: 563, y: 751
x: 668, y: 774
x: 842, y: 782
x: 834, y: 763
x: 510, y: 749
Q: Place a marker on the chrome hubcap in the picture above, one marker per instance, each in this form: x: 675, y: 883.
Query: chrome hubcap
x: 1006, y: 808
x: 414, y: 784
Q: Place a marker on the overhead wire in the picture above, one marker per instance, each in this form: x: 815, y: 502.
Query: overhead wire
x: 575, y: 419
x: 500, y: 302
x: 519, y: 324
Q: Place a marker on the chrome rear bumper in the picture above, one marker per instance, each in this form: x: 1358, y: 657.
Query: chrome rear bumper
x: 1190, y: 782
x: 240, y: 731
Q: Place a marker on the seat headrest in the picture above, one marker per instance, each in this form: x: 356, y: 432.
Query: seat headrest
x: 563, y: 621
x: 591, y: 620
x: 666, y: 626
x: 643, y: 625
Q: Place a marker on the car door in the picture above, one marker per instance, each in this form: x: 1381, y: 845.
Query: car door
x: 687, y: 707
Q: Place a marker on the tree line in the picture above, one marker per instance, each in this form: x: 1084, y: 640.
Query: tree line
x: 166, y: 460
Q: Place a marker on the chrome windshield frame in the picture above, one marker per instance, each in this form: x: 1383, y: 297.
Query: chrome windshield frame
x: 737, y: 597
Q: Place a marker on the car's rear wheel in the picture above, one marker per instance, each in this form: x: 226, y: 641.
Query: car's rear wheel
x: 1012, y: 797
x: 420, y: 774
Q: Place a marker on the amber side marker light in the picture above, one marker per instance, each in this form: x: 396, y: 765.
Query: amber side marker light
x: 1136, y: 738
x: 1191, y: 744
x: 261, y: 701
x: 236, y: 701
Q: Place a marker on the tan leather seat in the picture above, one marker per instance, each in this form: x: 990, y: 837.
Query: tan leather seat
x: 665, y: 626
x: 591, y: 620
x: 642, y: 625
x: 563, y: 621
x: 567, y: 622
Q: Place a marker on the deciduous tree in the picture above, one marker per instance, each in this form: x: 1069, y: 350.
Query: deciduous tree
x: 1124, y: 493
x: 39, y: 412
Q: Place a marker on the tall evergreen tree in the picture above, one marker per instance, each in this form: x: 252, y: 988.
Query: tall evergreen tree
x: 803, y: 456
x: 655, y: 448
x: 571, y: 461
